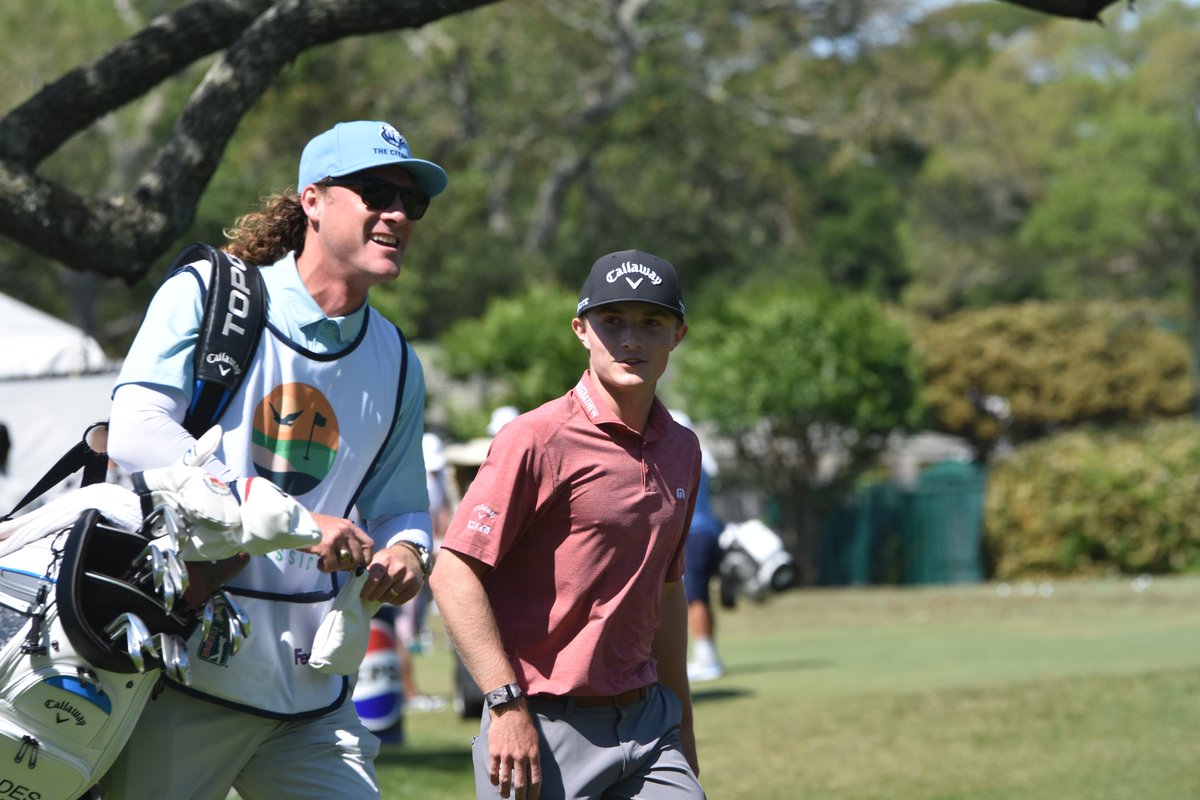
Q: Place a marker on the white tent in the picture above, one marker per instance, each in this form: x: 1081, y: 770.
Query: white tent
x: 37, y: 344
x: 54, y: 382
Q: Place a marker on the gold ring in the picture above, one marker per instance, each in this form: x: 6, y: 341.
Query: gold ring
x: 344, y: 554
x: 393, y: 593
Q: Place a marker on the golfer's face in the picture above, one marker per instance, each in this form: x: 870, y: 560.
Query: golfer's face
x: 629, y: 343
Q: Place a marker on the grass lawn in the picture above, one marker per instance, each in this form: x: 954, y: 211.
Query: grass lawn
x: 1092, y: 692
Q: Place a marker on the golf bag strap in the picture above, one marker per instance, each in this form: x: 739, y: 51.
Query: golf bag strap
x: 90, y: 454
x: 234, y: 317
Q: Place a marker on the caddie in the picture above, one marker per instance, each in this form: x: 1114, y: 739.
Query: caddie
x: 331, y: 411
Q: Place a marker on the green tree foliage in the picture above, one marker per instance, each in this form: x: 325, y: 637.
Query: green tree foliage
x: 808, y: 381
x: 855, y: 242
x: 1097, y: 502
x: 1064, y: 166
x: 39, y: 38
x: 653, y: 129
x: 736, y: 137
x: 522, y: 349
x: 1056, y: 364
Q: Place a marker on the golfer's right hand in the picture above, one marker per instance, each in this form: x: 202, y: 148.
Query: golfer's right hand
x: 513, y: 760
x: 343, y: 545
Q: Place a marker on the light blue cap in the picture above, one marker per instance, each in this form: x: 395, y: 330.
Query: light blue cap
x: 354, y: 146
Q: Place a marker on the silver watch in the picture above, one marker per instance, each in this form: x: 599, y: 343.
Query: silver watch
x: 505, y: 694
x: 422, y: 555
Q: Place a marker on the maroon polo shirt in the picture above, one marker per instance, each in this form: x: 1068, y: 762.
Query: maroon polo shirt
x: 582, y: 520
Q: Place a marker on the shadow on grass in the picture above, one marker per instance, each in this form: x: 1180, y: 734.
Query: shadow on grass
x: 707, y: 694
x: 445, y: 760
x: 710, y: 695
x: 793, y: 665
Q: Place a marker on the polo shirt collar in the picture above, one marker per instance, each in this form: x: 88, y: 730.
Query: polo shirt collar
x: 303, y: 309
x: 600, y: 414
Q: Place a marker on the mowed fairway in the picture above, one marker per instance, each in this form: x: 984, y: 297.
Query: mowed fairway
x: 947, y: 692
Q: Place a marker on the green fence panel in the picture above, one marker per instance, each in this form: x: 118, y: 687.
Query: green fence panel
x: 944, y: 525
x: 861, y: 540
x: 930, y: 534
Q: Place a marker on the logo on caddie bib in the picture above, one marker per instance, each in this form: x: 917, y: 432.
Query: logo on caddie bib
x: 295, y: 437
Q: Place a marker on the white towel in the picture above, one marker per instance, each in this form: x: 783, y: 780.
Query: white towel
x: 341, y: 642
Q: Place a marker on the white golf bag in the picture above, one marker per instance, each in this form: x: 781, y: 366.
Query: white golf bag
x: 92, y: 612
x: 85, y: 635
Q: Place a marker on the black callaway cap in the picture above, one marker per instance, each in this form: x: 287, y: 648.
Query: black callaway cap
x: 631, y: 275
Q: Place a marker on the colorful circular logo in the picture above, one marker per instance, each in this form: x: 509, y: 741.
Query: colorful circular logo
x: 295, y: 438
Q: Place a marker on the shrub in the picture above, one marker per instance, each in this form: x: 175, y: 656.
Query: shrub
x: 1093, y: 502
x: 1057, y: 365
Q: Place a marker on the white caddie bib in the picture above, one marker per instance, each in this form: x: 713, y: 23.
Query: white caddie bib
x: 312, y: 424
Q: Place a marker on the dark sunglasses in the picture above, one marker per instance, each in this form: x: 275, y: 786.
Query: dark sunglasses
x: 378, y: 194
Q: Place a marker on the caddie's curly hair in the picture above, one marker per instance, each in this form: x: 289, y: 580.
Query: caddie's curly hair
x: 266, y: 234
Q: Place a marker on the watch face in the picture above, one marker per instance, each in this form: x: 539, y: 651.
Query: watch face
x: 504, y: 694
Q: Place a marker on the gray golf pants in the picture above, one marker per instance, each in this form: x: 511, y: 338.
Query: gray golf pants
x: 604, y: 752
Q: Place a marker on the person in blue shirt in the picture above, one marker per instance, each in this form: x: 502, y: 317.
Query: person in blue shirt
x: 702, y: 552
x: 331, y: 410
x: 702, y: 559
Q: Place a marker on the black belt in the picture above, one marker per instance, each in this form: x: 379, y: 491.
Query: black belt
x: 593, y: 701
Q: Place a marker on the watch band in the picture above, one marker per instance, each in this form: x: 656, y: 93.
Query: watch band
x: 505, y: 694
x: 422, y: 556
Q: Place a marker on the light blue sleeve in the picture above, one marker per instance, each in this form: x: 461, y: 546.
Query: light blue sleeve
x: 397, y: 485
x: 161, y: 353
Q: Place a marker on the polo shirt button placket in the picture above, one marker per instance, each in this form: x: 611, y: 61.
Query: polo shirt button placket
x: 645, y: 471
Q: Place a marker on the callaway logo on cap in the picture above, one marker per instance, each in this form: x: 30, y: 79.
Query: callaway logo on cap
x: 631, y: 275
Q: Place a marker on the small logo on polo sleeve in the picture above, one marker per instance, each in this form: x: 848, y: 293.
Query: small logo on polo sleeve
x: 482, y: 514
x: 680, y: 494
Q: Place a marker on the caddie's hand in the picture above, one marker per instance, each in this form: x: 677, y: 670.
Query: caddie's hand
x: 513, y: 758
x: 343, y: 545
x: 394, y: 575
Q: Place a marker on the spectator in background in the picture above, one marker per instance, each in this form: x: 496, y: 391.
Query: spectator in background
x: 702, y: 559
x: 501, y: 417
x: 702, y: 556
x: 412, y: 629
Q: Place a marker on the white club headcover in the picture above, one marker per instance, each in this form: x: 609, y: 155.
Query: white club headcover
x: 119, y: 506
x: 204, y: 448
x: 251, y: 516
x: 209, y: 522
x: 204, y: 504
x: 272, y: 519
x: 341, y: 641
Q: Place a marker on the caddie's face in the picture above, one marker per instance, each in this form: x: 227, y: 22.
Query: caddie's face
x: 361, y: 246
x: 629, y: 343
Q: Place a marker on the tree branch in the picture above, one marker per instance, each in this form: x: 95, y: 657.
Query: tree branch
x: 37, y: 128
x: 122, y: 235
x: 1078, y: 9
